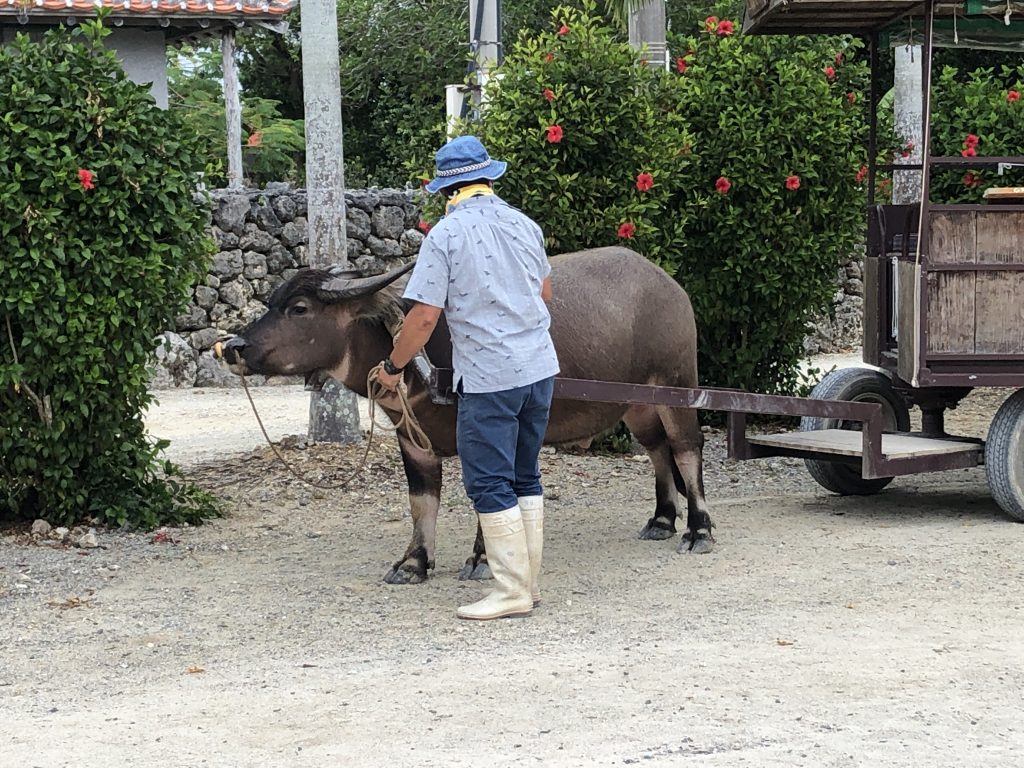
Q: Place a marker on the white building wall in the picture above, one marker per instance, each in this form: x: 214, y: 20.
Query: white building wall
x: 143, y: 57
x: 141, y: 52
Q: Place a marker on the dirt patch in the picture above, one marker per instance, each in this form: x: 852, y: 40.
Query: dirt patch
x: 882, y: 631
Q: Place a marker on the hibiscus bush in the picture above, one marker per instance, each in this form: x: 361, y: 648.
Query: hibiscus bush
x: 975, y: 116
x: 597, y: 153
x: 780, y: 130
x: 100, y: 242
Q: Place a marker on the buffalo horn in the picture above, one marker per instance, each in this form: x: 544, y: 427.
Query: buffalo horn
x: 347, y: 284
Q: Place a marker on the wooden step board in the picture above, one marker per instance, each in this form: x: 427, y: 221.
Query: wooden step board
x: 845, y: 442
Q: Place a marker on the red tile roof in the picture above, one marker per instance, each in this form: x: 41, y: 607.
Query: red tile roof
x: 197, y: 8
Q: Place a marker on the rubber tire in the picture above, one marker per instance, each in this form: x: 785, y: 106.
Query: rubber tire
x: 854, y: 385
x: 1004, y: 456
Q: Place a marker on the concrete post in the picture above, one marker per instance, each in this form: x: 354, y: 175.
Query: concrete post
x: 325, y: 169
x: 648, y: 26
x: 333, y: 410
x: 908, y: 119
x: 484, y: 43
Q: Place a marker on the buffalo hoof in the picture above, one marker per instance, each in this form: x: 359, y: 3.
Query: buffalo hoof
x: 412, y: 570
x: 475, y: 569
x: 657, y: 529
x: 699, y: 542
x: 408, y: 575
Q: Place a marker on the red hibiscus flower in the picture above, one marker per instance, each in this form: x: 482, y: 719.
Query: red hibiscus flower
x: 626, y: 230
x: 255, y: 139
x: 851, y: 98
x: 908, y: 150
x: 970, y: 140
x: 549, y: 94
x: 555, y: 133
x: 710, y: 23
x: 861, y: 174
x: 85, y: 179
x: 563, y: 30
x: 725, y: 28
x: 969, y: 152
x: 423, y: 227
x: 644, y: 181
x: 793, y: 183
x: 680, y: 65
x: 830, y: 72
x: 1013, y: 96
x: 548, y: 58
x: 723, y: 185
x: 972, y: 180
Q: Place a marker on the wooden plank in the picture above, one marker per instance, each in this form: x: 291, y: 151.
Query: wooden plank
x: 845, y: 442
x: 908, y: 322
x: 953, y: 237
x: 1004, y: 193
x: 999, y: 237
x: 952, y: 298
x: 874, y: 313
x: 1000, y: 313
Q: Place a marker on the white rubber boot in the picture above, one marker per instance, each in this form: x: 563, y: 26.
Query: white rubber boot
x: 533, y: 523
x: 509, y: 560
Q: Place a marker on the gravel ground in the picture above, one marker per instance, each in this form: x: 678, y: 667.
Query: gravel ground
x: 883, y: 631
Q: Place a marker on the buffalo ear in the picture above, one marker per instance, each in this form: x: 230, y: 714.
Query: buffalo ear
x: 346, y: 284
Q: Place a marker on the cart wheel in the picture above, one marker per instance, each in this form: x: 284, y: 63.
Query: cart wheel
x: 1004, y: 456
x: 861, y: 385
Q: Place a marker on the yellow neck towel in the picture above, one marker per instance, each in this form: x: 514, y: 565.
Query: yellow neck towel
x: 467, y: 192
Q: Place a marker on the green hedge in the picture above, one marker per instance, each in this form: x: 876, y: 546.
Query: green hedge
x: 980, y: 115
x: 100, y: 242
x: 781, y: 123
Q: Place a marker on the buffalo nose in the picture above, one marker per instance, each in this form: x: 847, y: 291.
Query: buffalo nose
x: 233, y: 350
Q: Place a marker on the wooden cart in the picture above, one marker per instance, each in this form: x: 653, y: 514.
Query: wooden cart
x: 944, y: 284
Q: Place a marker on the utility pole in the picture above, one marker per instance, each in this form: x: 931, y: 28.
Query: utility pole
x: 333, y: 410
x: 486, y: 53
x: 648, y: 25
x: 485, y: 36
x: 908, y: 120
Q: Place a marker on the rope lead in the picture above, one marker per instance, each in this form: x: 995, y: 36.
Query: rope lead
x: 374, y: 392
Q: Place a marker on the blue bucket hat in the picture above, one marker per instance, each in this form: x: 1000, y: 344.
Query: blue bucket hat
x: 464, y: 159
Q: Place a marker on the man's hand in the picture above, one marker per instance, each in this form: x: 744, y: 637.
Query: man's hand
x: 389, y: 381
x: 418, y: 326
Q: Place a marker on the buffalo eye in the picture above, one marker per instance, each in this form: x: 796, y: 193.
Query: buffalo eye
x: 297, y: 310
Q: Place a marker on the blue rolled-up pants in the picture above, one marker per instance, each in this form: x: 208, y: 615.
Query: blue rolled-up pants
x: 499, y: 436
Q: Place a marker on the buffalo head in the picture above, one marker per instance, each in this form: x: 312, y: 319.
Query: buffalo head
x: 307, y: 326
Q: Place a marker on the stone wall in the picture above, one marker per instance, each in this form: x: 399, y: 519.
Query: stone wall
x: 842, y: 330
x: 261, y: 240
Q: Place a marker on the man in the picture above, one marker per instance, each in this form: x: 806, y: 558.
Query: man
x: 485, y: 266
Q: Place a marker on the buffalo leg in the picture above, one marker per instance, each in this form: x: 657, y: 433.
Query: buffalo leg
x: 647, y: 428
x: 687, y: 442
x: 423, y: 475
x: 476, y: 567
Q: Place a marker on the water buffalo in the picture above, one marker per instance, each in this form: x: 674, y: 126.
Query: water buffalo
x: 614, y: 317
